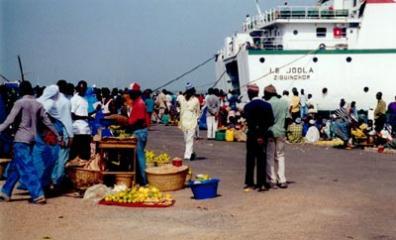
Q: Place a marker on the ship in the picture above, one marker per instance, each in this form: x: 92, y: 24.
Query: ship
x: 337, y: 49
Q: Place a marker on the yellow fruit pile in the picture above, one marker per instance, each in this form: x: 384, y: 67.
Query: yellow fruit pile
x: 161, y: 159
x: 148, y: 195
x: 150, y: 156
x: 331, y: 143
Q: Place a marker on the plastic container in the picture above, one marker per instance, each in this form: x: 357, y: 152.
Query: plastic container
x: 220, y: 136
x: 177, y: 162
x: 205, y: 190
x: 229, y: 135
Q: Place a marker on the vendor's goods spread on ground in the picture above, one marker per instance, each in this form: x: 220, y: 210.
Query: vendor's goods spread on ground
x: 330, y: 143
x: 139, y: 197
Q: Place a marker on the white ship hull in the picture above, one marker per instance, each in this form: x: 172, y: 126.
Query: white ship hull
x: 370, y: 70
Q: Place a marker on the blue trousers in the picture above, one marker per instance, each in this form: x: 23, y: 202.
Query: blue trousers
x: 58, y: 170
x: 141, y: 136
x: 45, y: 156
x: 21, y: 168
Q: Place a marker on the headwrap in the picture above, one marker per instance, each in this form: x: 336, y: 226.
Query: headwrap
x: 91, y: 99
x: 189, y: 86
x: 270, y: 89
x: 48, y: 98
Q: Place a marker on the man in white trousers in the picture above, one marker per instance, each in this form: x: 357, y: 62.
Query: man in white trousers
x: 189, y: 113
x: 213, y: 108
x: 276, y: 139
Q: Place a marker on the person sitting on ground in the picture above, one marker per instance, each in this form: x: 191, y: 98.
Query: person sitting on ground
x: 294, y: 132
x: 342, y: 123
x: 165, y: 118
x: 313, y: 134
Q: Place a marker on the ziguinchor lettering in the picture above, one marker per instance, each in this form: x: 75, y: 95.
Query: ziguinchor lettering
x: 291, y: 77
x: 292, y: 73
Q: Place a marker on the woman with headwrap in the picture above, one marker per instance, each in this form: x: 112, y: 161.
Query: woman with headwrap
x: 46, y: 148
x: 94, y: 110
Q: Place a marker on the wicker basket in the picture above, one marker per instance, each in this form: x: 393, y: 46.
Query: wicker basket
x: 172, y: 180
x: 119, y: 178
x: 83, y: 178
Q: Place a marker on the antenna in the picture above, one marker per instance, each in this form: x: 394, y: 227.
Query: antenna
x: 20, y: 68
x: 258, y: 7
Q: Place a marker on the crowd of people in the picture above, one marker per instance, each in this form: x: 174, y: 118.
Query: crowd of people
x: 44, y: 128
x: 52, y: 125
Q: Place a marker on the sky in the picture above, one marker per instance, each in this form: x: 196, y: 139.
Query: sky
x: 115, y: 42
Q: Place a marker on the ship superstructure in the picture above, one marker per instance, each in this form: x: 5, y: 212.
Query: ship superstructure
x: 336, y: 49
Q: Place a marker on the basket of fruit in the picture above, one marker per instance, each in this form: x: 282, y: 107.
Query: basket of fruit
x: 139, y: 197
x: 204, y: 187
x: 167, y: 177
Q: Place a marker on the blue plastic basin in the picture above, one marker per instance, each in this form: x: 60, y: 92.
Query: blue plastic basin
x: 206, y: 189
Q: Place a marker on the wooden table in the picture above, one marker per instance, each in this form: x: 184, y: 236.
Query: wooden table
x: 119, y: 145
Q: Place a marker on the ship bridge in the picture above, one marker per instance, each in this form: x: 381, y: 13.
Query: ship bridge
x: 326, y: 11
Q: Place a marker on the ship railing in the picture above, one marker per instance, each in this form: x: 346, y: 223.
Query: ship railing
x: 286, y: 12
x: 276, y: 43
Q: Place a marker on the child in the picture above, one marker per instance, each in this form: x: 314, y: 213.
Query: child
x: 165, y: 118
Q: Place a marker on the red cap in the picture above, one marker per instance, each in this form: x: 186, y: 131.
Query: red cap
x: 253, y: 88
x: 134, y: 87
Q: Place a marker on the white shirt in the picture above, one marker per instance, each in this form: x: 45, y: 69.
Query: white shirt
x: 63, y: 106
x: 189, y: 113
x: 79, y: 106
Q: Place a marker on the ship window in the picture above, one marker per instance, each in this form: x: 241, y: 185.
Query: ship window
x: 365, y: 89
x: 324, y: 91
x: 295, y: 32
x: 262, y: 60
x: 321, y: 32
x: 315, y: 59
x: 349, y: 59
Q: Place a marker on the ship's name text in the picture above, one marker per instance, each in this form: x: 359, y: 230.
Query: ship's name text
x: 292, y: 73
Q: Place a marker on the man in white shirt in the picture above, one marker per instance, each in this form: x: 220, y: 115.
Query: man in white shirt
x: 63, y: 107
x: 81, y: 146
x: 189, y: 113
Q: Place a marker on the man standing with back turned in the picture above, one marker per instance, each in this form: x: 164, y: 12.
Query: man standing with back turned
x: 277, y: 139
x: 259, y: 117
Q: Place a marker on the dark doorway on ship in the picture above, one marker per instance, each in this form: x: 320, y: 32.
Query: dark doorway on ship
x: 233, y: 73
